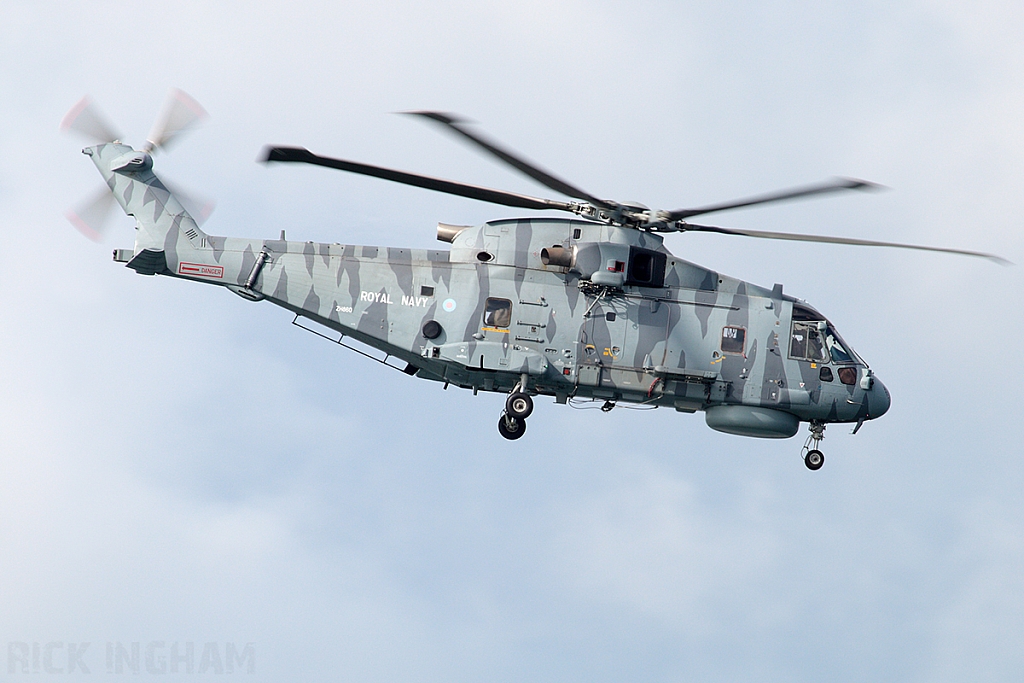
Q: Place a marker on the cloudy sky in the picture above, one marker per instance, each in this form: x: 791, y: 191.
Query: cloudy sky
x: 180, y: 466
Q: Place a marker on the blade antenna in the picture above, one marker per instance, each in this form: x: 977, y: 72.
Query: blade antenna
x: 453, y: 123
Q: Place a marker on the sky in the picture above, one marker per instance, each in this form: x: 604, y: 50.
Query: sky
x: 181, y: 468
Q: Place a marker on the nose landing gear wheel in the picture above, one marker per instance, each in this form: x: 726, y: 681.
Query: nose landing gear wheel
x: 814, y: 459
x: 511, y: 427
x: 519, y: 405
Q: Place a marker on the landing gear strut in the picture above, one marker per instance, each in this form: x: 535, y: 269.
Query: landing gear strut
x: 813, y: 457
x: 518, y: 407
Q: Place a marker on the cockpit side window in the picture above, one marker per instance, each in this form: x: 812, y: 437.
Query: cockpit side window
x: 806, y: 343
x: 835, y: 348
x: 815, y: 339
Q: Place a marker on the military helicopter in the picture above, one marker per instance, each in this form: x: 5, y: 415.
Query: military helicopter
x: 587, y: 308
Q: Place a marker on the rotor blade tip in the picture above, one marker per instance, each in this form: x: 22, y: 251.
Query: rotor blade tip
x: 863, y: 185
x: 82, y: 226
x: 287, y: 154
x: 190, y: 102
x: 86, y: 120
x: 180, y: 113
x: 273, y: 154
x: 439, y: 116
x: 73, y: 113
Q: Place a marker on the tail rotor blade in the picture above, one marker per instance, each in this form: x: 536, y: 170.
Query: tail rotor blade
x: 86, y: 120
x: 198, y: 207
x: 180, y: 113
x: 91, y: 217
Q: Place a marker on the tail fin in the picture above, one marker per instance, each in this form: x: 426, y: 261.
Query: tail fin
x: 162, y: 224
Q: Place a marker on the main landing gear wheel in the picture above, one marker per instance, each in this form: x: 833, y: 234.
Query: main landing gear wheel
x: 814, y: 459
x: 511, y: 427
x: 519, y: 405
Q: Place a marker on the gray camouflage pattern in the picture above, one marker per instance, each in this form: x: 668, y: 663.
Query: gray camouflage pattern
x: 696, y: 341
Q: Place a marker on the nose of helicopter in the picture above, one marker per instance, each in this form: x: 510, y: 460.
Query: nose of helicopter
x: 878, y: 400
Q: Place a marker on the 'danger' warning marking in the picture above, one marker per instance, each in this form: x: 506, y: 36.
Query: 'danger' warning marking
x: 200, y: 269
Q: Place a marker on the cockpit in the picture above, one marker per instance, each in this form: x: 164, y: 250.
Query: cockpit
x: 814, y: 339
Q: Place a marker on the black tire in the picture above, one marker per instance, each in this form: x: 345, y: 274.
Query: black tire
x: 511, y: 428
x: 814, y: 459
x: 519, y: 405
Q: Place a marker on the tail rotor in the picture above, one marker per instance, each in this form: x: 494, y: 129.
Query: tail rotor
x: 180, y: 113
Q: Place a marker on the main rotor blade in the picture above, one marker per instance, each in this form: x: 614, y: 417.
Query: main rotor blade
x: 180, y: 113
x: 85, y: 118
x: 523, y: 166
x: 795, y: 237
x: 836, y: 185
x: 484, y: 194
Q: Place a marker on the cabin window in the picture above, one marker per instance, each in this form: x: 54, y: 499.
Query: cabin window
x: 806, y: 343
x: 497, y: 313
x: 825, y: 374
x: 426, y: 291
x: 733, y: 339
x: 848, y: 376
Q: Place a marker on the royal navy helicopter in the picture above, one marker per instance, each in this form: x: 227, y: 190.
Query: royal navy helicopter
x: 592, y: 307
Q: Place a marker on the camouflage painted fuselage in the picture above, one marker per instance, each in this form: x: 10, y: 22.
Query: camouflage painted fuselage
x: 621, y: 319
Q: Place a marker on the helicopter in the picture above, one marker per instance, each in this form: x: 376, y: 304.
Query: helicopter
x: 591, y: 307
